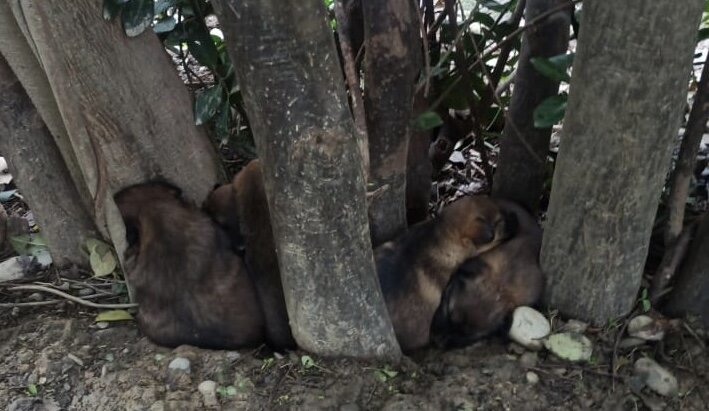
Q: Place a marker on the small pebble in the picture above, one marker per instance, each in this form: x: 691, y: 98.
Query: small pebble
x: 208, y: 389
x: 656, y: 377
x: 102, y: 325
x: 179, y: 363
x: 644, y: 327
x: 528, y: 359
x: 570, y: 346
x: 532, y: 377
x: 575, y: 326
x: 529, y: 327
x: 35, y: 297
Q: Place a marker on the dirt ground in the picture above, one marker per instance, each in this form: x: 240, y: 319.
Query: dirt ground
x: 59, y: 358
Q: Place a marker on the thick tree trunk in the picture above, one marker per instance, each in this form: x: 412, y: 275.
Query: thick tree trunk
x: 39, y: 170
x: 294, y: 95
x: 523, y: 148
x: 20, y: 54
x: 627, y: 93
x: 691, y: 290
x: 127, y: 113
x: 392, y: 62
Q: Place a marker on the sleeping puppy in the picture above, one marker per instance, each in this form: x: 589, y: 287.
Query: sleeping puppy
x: 241, y: 207
x: 415, y: 269
x: 486, y: 289
x: 190, y: 286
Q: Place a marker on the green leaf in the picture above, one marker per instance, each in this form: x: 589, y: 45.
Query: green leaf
x: 137, y: 16
x: 550, y: 111
x: 550, y: 69
x: 221, y: 125
x: 228, y: 391
x: 113, y: 315
x: 703, y: 34
x: 32, y: 390
x: 28, y: 244
x: 101, y: 258
x: 646, y: 305
x: 165, y: 25
x: 428, y: 121
x: 307, y: 362
x: 207, y: 104
x: 202, y: 47
x: 385, y: 374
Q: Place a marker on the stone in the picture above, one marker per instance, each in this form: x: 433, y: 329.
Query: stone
x: 528, y: 360
x: 570, y: 346
x: 645, y: 328
x: 179, y: 363
x: 575, y: 326
x: 532, y: 377
x: 529, y: 327
x: 208, y: 389
x: 656, y: 377
x: 178, y: 373
x: 12, y: 269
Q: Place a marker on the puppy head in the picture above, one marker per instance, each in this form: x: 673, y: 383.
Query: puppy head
x: 132, y: 200
x: 468, y: 310
x: 221, y: 204
x: 478, y: 222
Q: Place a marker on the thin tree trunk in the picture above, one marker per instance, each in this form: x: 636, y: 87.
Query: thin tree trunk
x: 627, y: 93
x: 419, y: 170
x: 20, y: 54
x: 523, y: 148
x: 392, y: 63
x: 691, y: 291
x: 304, y: 134
x: 40, y: 172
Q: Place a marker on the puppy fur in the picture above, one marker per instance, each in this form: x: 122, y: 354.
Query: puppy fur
x: 486, y: 289
x: 243, y: 210
x: 190, y: 286
x: 415, y: 269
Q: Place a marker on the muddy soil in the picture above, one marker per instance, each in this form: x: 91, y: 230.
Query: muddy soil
x: 58, y: 358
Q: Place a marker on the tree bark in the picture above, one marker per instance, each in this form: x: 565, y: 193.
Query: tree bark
x: 21, y: 56
x: 127, y: 113
x: 419, y: 169
x: 691, y: 290
x: 627, y: 94
x: 293, y: 92
x: 39, y: 171
x: 523, y: 147
x: 392, y: 63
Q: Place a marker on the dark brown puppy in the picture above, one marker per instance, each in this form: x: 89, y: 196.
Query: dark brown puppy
x: 485, y: 290
x: 243, y: 210
x: 415, y: 269
x: 190, y: 286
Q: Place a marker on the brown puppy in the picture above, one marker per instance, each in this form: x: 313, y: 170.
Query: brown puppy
x: 190, y: 286
x: 243, y: 210
x: 486, y: 289
x: 415, y: 269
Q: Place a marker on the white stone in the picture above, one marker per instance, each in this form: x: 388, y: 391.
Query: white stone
x: 179, y: 363
x: 12, y: 269
x: 208, y: 389
x: 575, y: 326
x: 529, y: 327
x: 570, y: 346
x: 532, y: 377
x: 645, y: 328
x: 656, y: 377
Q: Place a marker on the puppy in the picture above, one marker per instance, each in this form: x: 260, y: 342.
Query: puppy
x: 415, y: 269
x: 486, y: 289
x: 189, y: 285
x: 243, y: 210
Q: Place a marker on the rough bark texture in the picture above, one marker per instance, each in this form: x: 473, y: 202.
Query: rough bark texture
x: 521, y: 167
x: 627, y: 93
x: 39, y: 170
x: 392, y: 62
x: 419, y: 170
x: 128, y: 116
x: 20, y: 54
x: 691, y: 290
x: 295, y: 99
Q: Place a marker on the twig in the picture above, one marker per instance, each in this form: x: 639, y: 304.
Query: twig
x: 619, y: 335
x: 50, y: 302
x: 426, y: 53
x: 671, y: 259
x: 70, y: 297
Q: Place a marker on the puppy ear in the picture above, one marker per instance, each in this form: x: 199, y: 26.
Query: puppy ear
x: 470, y: 269
x: 483, y: 234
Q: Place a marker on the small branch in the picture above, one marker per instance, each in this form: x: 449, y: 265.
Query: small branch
x: 671, y: 259
x: 426, y: 53
x: 70, y: 297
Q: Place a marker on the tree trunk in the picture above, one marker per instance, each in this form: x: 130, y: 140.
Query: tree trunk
x: 523, y: 148
x: 392, y: 63
x: 419, y: 170
x: 627, y: 93
x: 21, y: 56
x: 691, y: 291
x: 40, y: 172
x: 293, y: 92
x: 128, y: 115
